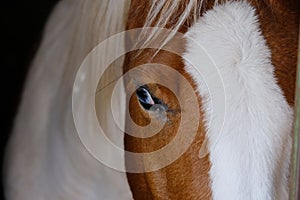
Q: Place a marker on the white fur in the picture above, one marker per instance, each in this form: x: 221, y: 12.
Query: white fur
x: 45, y: 159
x: 250, y: 159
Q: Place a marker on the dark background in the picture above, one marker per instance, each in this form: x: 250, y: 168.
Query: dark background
x: 22, y: 24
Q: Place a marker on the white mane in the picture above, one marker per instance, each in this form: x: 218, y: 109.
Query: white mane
x: 45, y: 158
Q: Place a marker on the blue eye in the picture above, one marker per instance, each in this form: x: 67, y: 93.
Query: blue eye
x: 145, y: 98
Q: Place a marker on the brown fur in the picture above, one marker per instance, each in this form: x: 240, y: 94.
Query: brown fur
x: 158, y: 185
x: 280, y: 26
x: 187, y: 177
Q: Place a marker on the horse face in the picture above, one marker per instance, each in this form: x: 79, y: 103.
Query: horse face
x: 188, y: 176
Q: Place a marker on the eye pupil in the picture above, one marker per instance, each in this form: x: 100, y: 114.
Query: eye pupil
x: 144, y: 95
x: 145, y: 98
x: 148, y: 101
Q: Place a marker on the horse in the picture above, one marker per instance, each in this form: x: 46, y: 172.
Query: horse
x: 210, y: 80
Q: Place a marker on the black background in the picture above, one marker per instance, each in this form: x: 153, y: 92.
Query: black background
x: 22, y: 24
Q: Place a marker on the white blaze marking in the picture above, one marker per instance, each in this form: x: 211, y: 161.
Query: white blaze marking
x: 250, y: 156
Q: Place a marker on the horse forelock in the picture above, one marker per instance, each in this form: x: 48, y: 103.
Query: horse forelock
x: 174, y: 15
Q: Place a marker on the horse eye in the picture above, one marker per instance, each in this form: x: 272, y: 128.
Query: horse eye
x: 145, y: 98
